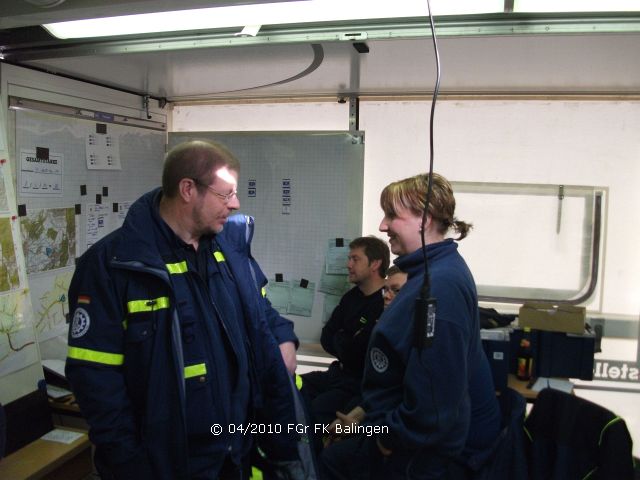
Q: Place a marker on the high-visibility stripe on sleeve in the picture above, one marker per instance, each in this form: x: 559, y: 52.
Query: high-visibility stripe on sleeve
x: 150, y: 305
x: 95, y: 356
x: 611, y: 422
x: 195, y: 370
x: 219, y: 256
x: 263, y: 290
x: 256, y: 473
x: 177, y: 268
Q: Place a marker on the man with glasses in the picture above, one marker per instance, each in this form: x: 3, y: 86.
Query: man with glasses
x: 396, y: 278
x: 170, y: 355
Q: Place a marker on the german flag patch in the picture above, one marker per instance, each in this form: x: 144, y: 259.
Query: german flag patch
x: 86, y: 299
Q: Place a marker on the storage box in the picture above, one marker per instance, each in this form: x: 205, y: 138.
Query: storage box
x: 553, y: 318
x: 565, y: 355
x: 496, y: 346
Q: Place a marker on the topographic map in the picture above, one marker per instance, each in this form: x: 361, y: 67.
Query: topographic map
x: 49, y: 239
x: 9, y: 276
x: 17, y: 339
x: 50, y: 303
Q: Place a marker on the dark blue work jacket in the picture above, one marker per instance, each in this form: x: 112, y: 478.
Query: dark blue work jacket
x: 238, y: 232
x: 157, y: 357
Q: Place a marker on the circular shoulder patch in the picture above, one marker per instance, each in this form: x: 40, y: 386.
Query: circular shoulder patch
x: 80, y: 324
x: 379, y: 360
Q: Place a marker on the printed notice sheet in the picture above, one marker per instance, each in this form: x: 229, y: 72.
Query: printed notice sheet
x: 302, y: 293
x: 40, y: 175
x: 279, y: 294
x: 337, y: 255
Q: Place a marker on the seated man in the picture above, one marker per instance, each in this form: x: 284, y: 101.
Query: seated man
x: 396, y: 278
x: 346, y: 334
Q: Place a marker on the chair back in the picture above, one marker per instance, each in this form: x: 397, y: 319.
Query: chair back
x: 572, y: 438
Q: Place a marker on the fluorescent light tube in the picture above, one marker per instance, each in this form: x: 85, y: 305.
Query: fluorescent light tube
x: 573, y: 6
x: 281, y: 13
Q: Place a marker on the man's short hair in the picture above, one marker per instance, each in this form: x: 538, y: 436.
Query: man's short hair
x: 195, y: 159
x: 374, y: 249
x: 393, y: 270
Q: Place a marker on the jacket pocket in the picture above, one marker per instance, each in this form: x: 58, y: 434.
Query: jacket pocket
x: 139, y: 331
x: 138, y: 348
x: 200, y: 411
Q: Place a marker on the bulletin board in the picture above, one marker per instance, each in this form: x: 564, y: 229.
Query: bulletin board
x: 74, y: 181
x: 305, y: 190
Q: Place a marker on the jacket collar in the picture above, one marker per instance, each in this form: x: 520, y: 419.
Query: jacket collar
x: 145, y: 236
x: 413, y: 263
x: 238, y: 233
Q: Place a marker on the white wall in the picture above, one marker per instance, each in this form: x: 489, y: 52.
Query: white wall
x: 520, y: 141
x: 261, y: 117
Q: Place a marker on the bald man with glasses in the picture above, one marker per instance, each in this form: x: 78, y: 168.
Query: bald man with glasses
x: 170, y: 353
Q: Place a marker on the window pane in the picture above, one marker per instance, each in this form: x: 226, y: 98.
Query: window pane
x: 526, y: 243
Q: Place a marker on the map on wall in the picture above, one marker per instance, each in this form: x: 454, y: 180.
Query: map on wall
x: 50, y: 302
x: 49, y: 239
x: 9, y: 269
x: 17, y: 340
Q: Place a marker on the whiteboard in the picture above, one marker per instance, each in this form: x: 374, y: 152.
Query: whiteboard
x: 323, y: 172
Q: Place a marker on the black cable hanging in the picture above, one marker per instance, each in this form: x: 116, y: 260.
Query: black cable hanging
x: 425, y: 305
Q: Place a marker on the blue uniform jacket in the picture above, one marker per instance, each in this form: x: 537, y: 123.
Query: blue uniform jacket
x: 126, y: 362
x: 238, y: 232
x: 425, y: 396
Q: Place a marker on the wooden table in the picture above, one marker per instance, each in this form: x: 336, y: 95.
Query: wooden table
x: 522, y: 387
x: 45, y: 459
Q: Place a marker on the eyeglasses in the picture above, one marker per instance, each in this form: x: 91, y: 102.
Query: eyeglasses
x: 226, y: 197
x: 393, y: 291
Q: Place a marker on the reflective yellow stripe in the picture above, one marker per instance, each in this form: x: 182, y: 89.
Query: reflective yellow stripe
x: 611, y: 422
x: 219, y: 256
x: 264, y: 291
x: 175, y: 268
x: 256, y: 473
x: 95, y: 356
x: 195, y: 370
x: 136, y: 306
x: 298, y: 381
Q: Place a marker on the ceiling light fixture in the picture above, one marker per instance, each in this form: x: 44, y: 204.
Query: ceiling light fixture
x: 281, y: 13
x: 574, y: 6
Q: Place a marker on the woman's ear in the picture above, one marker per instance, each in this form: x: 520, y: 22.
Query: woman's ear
x: 427, y: 222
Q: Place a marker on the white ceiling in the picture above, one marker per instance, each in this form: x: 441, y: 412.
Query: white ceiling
x: 541, y: 63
